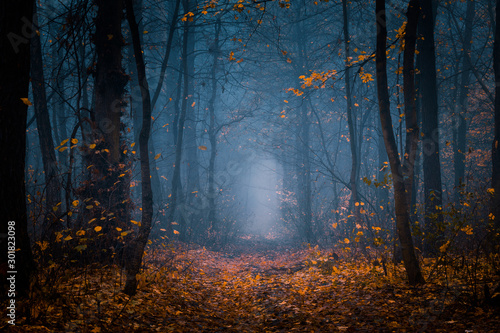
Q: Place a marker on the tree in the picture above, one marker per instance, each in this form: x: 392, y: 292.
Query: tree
x: 460, y: 128
x: 400, y: 196
x: 136, y: 247
x: 16, y: 31
x: 109, y: 187
x: 495, y: 151
x: 52, y: 183
x: 430, y: 131
x: 351, y: 120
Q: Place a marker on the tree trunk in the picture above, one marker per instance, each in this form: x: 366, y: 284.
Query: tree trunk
x: 461, y: 124
x: 15, y: 33
x: 495, y: 151
x: 212, y: 134
x: 177, y: 197
x: 52, y: 183
x: 190, y: 207
x: 351, y: 122
x: 412, y: 129
x: 401, y: 205
x: 111, y: 171
x: 430, y: 138
x: 136, y: 247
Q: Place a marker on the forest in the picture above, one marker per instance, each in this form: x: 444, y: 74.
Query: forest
x: 250, y: 165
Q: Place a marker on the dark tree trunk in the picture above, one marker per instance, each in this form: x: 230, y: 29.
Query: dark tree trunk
x: 15, y: 33
x: 111, y: 171
x: 212, y: 134
x: 190, y: 207
x: 177, y: 196
x: 136, y: 247
x: 430, y: 138
x: 400, y: 198
x: 460, y: 128
x: 412, y: 129
x: 52, y: 183
x: 351, y: 121
x: 495, y: 151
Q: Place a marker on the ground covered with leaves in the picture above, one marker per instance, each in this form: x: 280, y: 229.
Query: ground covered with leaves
x: 253, y: 286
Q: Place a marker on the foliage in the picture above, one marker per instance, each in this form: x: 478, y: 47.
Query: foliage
x: 253, y: 286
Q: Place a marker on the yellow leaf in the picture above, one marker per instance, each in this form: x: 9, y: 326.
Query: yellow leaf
x: 26, y: 101
x: 176, y: 232
x: 75, y: 203
x: 444, y: 247
x: 346, y: 241
x: 118, y: 229
x: 285, y: 101
x: 68, y: 238
x: 335, y: 225
x: 74, y: 141
x: 43, y: 245
x: 491, y: 191
x: 92, y: 146
x: 80, y: 232
x: 282, y: 116
x: 98, y: 228
x: 157, y: 156
x: 92, y: 220
x: 145, y: 32
x: 202, y: 147
x: 192, y: 105
x: 89, y: 207
x: 63, y: 149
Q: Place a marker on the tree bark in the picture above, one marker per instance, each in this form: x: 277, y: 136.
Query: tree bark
x: 212, y: 134
x: 412, y: 129
x: 495, y: 151
x: 136, y: 247
x: 400, y: 198
x: 111, y: 171
x: 177, y: 196
x: 52, y: 183
x: 15, y: 33
x: 351, y: 121
x: 460, y: 129
x: 430, y: 130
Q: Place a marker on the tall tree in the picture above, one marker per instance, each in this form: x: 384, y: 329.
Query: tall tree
x: 15, y: 33
x: 52, y: 183
x: 430, y: 130
x: 460, y: 128
x: 109, y: 187
x: 495, y: 151
x: 136, y: 247
x: 212, y: 131
x: 351, y: 119
x: 400, y: 197
x: 177, y: 196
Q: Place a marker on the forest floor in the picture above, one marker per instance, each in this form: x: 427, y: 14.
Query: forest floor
x: 254, y: 286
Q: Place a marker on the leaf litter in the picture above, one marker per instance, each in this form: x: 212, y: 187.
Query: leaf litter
x: 251, y: 288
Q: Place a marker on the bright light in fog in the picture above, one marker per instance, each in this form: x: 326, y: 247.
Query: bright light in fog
x: 262, y: 201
